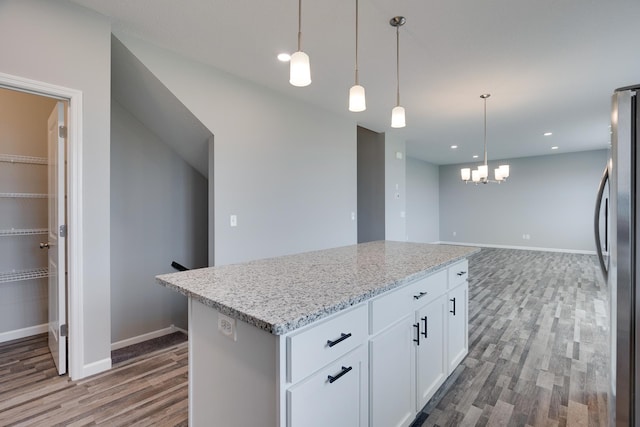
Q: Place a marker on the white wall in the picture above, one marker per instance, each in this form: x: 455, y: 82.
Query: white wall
x: 159, y: 215
x: 61, y: 44
x: 551, y: 198
x: 423, y: 201
x: 395, y: 188
x: 285, y: 168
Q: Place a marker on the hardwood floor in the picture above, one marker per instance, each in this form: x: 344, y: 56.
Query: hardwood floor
x: 538, y: 345
x: 538, y: 351
x: 150, y: 390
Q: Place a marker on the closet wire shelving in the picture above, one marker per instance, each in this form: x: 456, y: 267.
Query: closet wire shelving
x: 33, y: 273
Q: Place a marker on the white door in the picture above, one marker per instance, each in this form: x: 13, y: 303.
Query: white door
x: 431, y: 365
x: 56, y: 241
x: 458, y: 326
x: 392, y: 378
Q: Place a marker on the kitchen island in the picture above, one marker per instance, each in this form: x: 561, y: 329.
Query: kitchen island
x: 352, y: 336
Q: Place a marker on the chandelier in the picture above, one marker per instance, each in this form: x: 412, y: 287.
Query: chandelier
x: 501, y: 173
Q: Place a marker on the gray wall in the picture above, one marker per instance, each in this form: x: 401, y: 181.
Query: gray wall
x: 395, y: 191
x: 23, y: 131
x: 423, y: 201
x: 551, y: 198
x: 285, y: 168
x: 371, y: 185
x: 159, y: 213
x: 58, y: 43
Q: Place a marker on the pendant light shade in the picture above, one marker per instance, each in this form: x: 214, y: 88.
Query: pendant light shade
x: 357, y: 101
x: 397, y: 114
x: 299, y: 68
x: 397, y: 117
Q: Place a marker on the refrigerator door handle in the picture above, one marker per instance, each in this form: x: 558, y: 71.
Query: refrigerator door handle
x: 596, y: 222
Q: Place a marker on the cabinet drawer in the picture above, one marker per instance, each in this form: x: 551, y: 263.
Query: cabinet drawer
x: 335, y: 396
x: 458, y: 273
x: 311, y: 349
x: 398, y: 303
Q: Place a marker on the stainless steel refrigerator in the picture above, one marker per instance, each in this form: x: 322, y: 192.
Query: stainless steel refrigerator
x: 618, y: 254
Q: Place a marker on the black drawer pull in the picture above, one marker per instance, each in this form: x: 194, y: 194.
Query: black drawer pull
x: 339, y: 340
x: 417, y: 340
x: 337, y: 377
x: 462, y: 273
x: 420, y: 295
x: 453, y: 300
x: 425, y: 333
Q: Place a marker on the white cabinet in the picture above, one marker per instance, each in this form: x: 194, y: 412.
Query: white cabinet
x: 392, y: 378
x: 334, y: 396
x: 431, y: 361
x: 328, y: 369
x: 457, y: 325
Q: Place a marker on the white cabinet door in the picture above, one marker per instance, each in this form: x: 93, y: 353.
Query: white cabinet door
x: 431, y: 362
x: 335, y: 396
x: 457, y: 318
x: 392, y: 374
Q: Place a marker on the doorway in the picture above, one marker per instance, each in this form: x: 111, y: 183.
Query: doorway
x: 30, y: 235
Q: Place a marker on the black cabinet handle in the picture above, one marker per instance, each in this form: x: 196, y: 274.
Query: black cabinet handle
x: 462, y: 273
x: 420, y: 295
x: 425, y: 333
x: 337, y: 377
x: 453, y: 300
x: 417, y: 326
x: 339, y: 340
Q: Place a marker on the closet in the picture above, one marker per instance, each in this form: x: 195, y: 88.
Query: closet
x: 23, y: 213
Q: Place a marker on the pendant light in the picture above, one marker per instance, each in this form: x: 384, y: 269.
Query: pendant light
x: 397, y: 114
x: 299, y: 68
x: 481, y: 174
x: 357, y: 100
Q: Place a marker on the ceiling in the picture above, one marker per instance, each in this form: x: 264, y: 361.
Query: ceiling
x: 550, y: 65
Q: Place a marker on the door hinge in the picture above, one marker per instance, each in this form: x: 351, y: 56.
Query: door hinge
x: 62, y: 131
x: 63, y: 231
x: 63, y: 330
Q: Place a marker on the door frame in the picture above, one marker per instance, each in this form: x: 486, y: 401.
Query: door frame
x: 75, y: 314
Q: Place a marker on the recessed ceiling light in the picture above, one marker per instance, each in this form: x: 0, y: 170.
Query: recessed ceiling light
x: 555, y: 147
x: 548, y: 133
x: 453, y: 147
x: 284, y: 57
x: 475, y: 156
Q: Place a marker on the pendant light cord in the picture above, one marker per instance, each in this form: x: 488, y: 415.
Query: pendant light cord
x: 397, y: 66
x: 485, y: 131
x: 299, y: 25
x: 357, y: 80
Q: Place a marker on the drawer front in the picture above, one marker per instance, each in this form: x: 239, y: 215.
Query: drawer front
x: 458, y: 273
x: 398, y: 303
x: 313, y: 348
x: 335, y: 396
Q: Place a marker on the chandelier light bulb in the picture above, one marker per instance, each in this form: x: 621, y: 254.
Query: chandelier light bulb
x: 504, y: 171
x: 483, y: 171
x: 465, y: 173
x: 475, y: 175
x: 498, y: 174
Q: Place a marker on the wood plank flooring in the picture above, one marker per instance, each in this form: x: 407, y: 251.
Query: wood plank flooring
x: 150, y: 390
x: 538, y: 351
x: 538, y: 345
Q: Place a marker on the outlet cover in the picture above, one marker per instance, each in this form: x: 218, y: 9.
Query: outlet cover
x: 227, y: 326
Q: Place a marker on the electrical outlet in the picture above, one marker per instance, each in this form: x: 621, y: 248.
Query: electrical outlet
x: 227, y: 326
x: 233, y: 220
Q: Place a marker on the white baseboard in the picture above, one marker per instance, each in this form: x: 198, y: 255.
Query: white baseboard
x: 524, y: 248
x: 95, y: 368
x: 23, y: 333
x: 145, y: 337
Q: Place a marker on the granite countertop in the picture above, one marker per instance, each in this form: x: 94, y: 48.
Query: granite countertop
x: 282, y: 294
